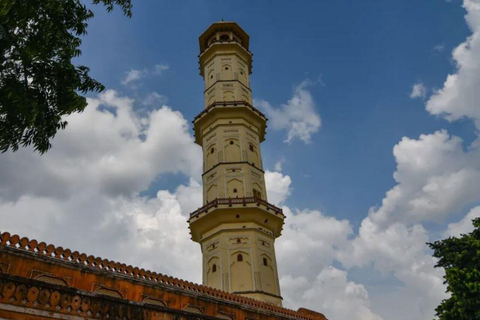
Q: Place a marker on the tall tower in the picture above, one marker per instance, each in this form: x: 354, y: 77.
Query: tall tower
x: 236, y: 227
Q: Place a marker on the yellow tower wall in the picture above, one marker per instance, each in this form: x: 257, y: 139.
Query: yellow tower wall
x: 236, y: 227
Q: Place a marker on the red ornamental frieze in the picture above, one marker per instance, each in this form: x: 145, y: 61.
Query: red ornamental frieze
x: 75, y: 258
x: 33, y: 296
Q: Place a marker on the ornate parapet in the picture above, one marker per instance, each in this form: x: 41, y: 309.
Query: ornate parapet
x: 40, y: 281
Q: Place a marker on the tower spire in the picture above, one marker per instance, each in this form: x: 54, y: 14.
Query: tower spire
x: 236, y: 227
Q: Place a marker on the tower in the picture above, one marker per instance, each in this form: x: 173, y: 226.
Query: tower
x: 236, y: 227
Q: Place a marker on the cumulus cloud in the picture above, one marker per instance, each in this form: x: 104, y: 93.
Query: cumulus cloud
x: 463, y: 226
x: 332, y: 293
x: 135, y: 75
x: 154, y: 99
x: 107, y: 148
x: 132, y: 75
x: 84, y: 193
x: 310, y: 243
x: 278, y: 186
x: 418, y: 91
x: 298, y: 116
x: 437, y: 177
x: 460, y: 96
x: 308, y: 235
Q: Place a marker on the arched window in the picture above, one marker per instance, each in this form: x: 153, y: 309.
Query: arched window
x: 252, y: 148
x: 239, y: 257
x: 235, y: 190
x: 257, y: 193
x: 224, y: 37
x: 212, y: 150
x: 265, y: 262
x: 214, y: 267
x: 231, y: 141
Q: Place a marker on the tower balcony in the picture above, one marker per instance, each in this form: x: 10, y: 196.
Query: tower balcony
x: 267, y: 217
x: 228, y: 110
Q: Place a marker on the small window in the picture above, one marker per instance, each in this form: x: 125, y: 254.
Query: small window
x: 226, y: 68
x: 211, y: 77
x: 235, y: 190
x: 225, y: 37
x: 265, y: 262
x: 238, y: 240
x: 231, y: 141
x: 214, y: 268
x: 252, y: 148
x: 212, y: 150
x: 239, y: 257
x: 241, y: 72
x: 257, y: 193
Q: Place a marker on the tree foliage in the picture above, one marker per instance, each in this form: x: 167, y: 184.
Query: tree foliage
x: 39, y: 85
x: 460, y: 257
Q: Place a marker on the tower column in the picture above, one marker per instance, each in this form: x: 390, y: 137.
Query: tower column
x: 236, y: 227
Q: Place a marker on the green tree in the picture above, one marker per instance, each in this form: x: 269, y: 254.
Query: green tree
x: 460, y: 257
x: 39, y: 85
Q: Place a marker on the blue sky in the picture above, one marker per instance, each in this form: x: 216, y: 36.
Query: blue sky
x: 363, y: 57
x: 394, y: 164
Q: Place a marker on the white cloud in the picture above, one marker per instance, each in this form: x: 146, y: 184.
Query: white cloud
x: 135, y: 75
x: 159, y: 68
x: 436, y: 178
x: 84, y: 193
x: 331, y: 293
x: 308, y: 235
x: 460, y: 96
x: 439, y: 47
x: 309, y: 244
x: 298, y: 116
x: 154, y: 99
x: 463, y: 226
x: 278, y: 166
x: 114, y: 152
x: 278, y: 187
x: 418, y: 91
x: 149, y: 233
x: 132, y: 75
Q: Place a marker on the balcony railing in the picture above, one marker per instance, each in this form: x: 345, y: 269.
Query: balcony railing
x: 231, y: 201
x: 227, y: 104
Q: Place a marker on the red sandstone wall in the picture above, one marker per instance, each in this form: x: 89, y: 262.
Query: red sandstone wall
x: 26, y: 260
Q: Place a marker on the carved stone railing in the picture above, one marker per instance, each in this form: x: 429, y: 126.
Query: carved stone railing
x: 81, y: 259
x: 235, y: 201
x: 229, y: 104
x: 39, y: 299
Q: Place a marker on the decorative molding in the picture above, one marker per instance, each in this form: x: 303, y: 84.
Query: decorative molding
x: 74, y: 258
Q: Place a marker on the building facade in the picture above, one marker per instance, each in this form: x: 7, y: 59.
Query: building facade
x: 42, y: 281
x: 236, y: 227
